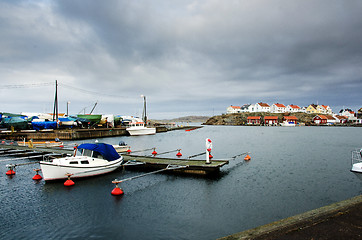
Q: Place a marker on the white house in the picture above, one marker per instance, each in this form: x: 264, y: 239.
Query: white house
x: 349, y: 114
x: 278, y: 108
x: 233, y: 109
x: 293, y: 108
x: 245, y: 108
x: 262, y: 107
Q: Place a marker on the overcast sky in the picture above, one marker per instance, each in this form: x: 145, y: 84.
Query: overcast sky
x: 186, y: 57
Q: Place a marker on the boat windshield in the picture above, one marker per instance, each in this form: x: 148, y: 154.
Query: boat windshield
x: 87, y: 152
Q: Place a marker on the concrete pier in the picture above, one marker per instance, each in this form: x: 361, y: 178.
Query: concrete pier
x: 69, y: 134
x: 341, y: 220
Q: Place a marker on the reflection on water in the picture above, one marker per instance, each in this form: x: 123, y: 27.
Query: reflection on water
x: 292, y: 170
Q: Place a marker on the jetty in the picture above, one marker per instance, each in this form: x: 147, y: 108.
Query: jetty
x: 198, y: 167
x: 340, y: 220
x: 77, y: 134
x: 133, y: 162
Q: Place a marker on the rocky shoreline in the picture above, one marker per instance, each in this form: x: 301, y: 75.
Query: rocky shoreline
x: 239, y: 119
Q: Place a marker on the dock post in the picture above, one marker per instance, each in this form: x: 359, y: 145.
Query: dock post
x: 208, y: 146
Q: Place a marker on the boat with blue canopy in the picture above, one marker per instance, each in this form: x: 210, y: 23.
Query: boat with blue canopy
x: 88, y: 160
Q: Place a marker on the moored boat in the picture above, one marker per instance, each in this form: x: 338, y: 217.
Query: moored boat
x: 88, y: 160
x: 357, y: 161
x: 139, y: 128
x: 93, y: 118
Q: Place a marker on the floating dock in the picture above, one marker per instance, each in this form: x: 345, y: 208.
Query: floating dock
x: 196, y: 167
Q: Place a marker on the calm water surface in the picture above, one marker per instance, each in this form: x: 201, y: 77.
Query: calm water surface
x: 292, y: 170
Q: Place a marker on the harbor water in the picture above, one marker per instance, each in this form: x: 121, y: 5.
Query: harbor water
x: 292, y: 170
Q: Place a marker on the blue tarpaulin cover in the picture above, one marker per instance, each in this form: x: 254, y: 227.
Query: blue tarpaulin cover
x: 44, y: 125
x: 106, y: 150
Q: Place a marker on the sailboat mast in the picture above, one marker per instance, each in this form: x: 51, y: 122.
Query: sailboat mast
x: 144, y: 114
x: 55, y: 111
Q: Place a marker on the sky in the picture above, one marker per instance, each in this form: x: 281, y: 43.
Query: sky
x: 187, y: 57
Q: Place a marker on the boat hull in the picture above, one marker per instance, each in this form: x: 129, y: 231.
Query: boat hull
x: 141, y: 131
x: 58, y: 170
x: 357, y: 167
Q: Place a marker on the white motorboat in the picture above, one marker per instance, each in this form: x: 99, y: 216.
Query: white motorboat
x: 139, y: 128
x: 287, y: 124
x: 88, y: 160
x: 357, y: 161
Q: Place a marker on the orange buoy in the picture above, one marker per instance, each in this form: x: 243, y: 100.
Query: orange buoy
x: 11, y: 169
x: 69, y: 181
x: 154, y: 152
x: 179, y: 154
x: 117, y: 191
x: 10, y: 172
x: 129, y: 150
x: 37, y: 176
x: 247, y: 158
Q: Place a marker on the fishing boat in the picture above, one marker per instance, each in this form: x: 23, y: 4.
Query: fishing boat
x: 357, y: 161
x: 88, y: 160
x: 139, y: 128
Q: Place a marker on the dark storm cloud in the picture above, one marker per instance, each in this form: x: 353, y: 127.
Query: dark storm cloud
x: 192, y: 56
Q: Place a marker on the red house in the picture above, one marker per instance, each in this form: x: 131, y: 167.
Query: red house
x: 271, y: 120
x: 320, y: 119
x: 254, y: 120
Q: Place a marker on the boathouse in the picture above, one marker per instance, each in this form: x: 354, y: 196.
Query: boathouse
x: 320, y: 119
x: 271, y: 120
x: 254, y: 120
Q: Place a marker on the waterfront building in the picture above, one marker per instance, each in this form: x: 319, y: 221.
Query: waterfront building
x: 245, y: 108
x: 293, y: 108
x: 349, y: 114
x: 252, y: 108
x: 233, y: 109
x: 254, y: 120
x: 271, y: 120
x: 262, y: 107
x: 341, y: 119
x: 278, y: 108
x: 324, y: 109
x: 312, y: 109
x: 320, y: 119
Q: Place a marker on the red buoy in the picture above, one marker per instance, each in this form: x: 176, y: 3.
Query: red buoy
x: 154, y: 152
x: 179, y: 154
x: 10, y: 172
x: 37, y: 176
x: 129, y: 150
x: 69, y: 181
x: 117, y: 191
x: 210, y: 156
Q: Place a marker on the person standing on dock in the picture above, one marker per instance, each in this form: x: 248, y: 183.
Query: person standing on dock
x: 208, y: 150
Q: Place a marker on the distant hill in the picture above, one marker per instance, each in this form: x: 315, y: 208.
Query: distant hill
x: 200, y: 119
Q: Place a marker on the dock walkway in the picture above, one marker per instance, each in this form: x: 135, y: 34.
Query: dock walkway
x: 198, y: 167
